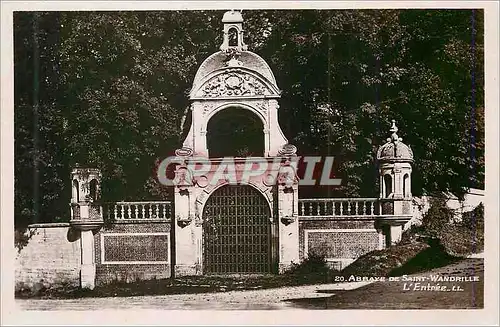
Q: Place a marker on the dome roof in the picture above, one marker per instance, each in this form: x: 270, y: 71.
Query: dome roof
x: 394, y: 150
x: 247, y: 59
x: 232, y: 17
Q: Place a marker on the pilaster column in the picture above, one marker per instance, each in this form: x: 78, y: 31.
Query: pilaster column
x: 288, y: 221
x: 87, y: 271
x: 185, y: 237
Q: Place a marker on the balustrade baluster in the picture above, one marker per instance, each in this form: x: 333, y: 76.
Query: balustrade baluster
x: 338, y: 207
x: 143, y: 211
x: 164, y: 210
x: 129, y: 211
x: 157, y: 211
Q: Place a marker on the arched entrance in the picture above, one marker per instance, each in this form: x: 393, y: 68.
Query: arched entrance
x: 235, y: 132
x: 237, y: 232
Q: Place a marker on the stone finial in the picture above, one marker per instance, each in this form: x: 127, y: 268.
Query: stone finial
x: 394, y: 150
x: 394, y: 136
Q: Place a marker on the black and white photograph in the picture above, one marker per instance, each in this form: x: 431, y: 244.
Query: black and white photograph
x: 253, y: 160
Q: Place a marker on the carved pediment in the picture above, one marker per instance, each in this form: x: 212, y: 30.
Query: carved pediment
x: 233, y: 84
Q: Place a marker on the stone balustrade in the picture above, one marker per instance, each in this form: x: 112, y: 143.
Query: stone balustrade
x: 339, y: 207
x: 139, y: 210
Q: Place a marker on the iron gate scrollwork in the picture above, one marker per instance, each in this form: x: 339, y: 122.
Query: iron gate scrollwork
x: 237, y: 232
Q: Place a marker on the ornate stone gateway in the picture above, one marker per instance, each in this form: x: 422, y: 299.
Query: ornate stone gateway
x: 237, y: 232
x: 228, y: 220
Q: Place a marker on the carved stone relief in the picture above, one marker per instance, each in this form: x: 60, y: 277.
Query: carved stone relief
x: 262, y: 107
x: 233, y: 83
x: 207, y: 107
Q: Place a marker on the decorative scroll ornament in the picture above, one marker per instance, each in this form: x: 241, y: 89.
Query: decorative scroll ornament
x: 262, y: 106
x: 202, y: 181
x: 287, y: 150
x: 233, y: 84
x: 286, y: 176
x: 287, y: 220
x: 184, y: 152
x: 207, y: 107
x: 183, y: 221
x: 183, y: 178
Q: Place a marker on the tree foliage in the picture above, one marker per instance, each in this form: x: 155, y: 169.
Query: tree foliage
x: 109, y: 89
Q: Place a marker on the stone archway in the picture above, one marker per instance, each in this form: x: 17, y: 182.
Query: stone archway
x: 238, y: 236
x: 235, y: 78
x: 235, y: 132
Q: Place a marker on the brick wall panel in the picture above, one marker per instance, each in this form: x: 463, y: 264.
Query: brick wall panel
x: 330, y: 224
x: 129, y: 272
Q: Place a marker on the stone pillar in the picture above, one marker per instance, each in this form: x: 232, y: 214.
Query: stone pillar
x: 267, y: 143
x: 185, y: 232
x: 381, y: 237
x: 87, y: 272
x: 396, y: 231
x: 86, y: 217
x: 288, y: 216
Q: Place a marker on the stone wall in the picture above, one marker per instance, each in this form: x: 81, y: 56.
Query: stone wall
x: 129, y: 252
x: 50, y: 258
x: 123, y: 252
x: 341, y: 241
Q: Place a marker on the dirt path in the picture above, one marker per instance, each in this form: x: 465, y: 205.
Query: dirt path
x: 358, y: 295
x: 232, y: 300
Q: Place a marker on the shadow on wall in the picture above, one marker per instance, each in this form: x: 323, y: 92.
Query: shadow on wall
x: 22, y: 237
x: 73, y: 234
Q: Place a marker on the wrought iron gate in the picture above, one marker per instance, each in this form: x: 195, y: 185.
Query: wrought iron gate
x: 237, y: 233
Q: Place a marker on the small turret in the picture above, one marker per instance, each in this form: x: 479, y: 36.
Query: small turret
x: 233, y: 32
x: 395, y: 160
